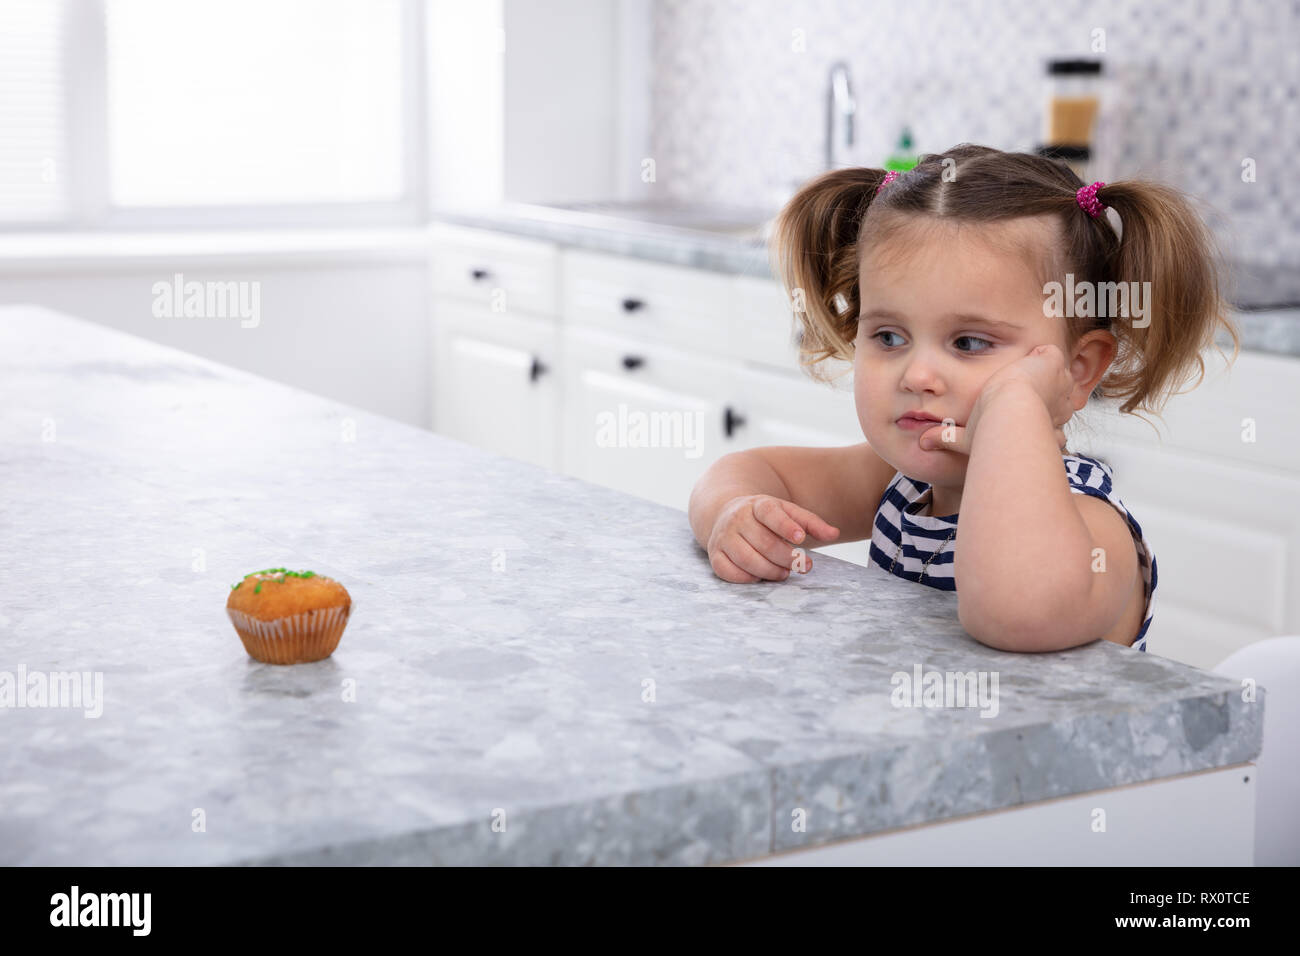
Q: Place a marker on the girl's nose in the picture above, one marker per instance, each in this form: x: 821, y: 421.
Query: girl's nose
x: 921, y: 374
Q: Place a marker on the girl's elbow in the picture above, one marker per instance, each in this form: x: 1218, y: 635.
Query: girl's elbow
x: 984, y: 627
x: 1011, y: 629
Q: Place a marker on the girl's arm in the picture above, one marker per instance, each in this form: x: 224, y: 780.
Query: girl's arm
x: 841, y: 485
x: 1027, y: 574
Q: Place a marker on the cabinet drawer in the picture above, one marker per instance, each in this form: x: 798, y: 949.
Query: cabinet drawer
x: 1244, y: 413
x: 642, y: 418
x: 677, y: 306
x: 763, y: 326
x: 507, y: 273
x: 781, y: 409
x: 649, y: 364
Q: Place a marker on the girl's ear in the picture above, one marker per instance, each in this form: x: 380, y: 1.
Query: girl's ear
x: 1089, y: 359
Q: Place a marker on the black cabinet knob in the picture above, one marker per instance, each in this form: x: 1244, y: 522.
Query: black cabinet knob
x: 537, y: 370
x: 478, y: 275
x: 631, y: 305
x: 631, y: 362
x: 731, y: 421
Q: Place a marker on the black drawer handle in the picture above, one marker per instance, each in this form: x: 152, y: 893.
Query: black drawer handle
x: 631, y: 305
x: 631, y: 362
x: 478, y: 275
x: 731, y: 421
x: 537, y: 370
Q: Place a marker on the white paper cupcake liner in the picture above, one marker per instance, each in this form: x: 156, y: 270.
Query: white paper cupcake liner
x: 299, y: 638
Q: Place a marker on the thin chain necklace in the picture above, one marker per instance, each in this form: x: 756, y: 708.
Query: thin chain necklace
x: 925, y: 567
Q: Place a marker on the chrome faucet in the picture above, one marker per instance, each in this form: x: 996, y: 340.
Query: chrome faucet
x: 840, y: 106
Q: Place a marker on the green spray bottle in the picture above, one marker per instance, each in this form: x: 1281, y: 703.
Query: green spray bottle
x: 902, y: 158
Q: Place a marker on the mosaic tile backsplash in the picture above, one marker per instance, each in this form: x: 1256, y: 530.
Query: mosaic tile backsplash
x: 1192, y: 90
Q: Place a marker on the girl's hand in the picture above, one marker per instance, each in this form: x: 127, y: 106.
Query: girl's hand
x: 1042, y: 370
x: 754, y: 537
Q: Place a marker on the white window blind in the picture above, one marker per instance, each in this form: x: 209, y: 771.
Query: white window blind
x: 33, y: 137
x: 248, y: 102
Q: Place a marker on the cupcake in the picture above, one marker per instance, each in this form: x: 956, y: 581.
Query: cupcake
x: 289, y: 617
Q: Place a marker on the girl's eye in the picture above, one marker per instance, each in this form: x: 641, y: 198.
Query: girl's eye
x: 974, y: 338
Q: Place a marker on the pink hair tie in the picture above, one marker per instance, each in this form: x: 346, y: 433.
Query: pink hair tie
x: 1087, y: 199
x: 889, y: 178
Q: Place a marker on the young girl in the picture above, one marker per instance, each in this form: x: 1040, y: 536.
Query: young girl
x: 939, y: 285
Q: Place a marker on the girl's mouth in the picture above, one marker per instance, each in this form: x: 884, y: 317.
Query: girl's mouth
x: 908, y: 423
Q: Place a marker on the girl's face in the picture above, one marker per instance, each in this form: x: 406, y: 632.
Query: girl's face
x: 934, y: 328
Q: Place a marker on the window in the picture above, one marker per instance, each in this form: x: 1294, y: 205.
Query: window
x: 33, y: 137
x: 250, y: 101
x: 202, y: 112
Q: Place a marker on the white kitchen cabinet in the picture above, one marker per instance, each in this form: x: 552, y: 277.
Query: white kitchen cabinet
x: 626, y: 346
x: 495, y: 342
x: 1217, y: 493
x: 496, y: 381
x: 641, y: 417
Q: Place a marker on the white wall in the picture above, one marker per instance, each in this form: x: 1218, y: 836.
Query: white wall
x: 634, y: 29
x: 465, y: 97
x: 560, y: 99
x: 538, y: 101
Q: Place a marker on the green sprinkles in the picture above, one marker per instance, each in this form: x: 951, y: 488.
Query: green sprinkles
x: 281, y: 574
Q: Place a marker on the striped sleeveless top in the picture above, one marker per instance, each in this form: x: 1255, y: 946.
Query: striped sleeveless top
x: 915, y: 538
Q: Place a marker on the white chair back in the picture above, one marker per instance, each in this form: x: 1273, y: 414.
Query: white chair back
x: 1274, y: 665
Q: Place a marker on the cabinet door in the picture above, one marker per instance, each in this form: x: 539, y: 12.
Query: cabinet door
x: 642, y: 418
x: 496, y: 381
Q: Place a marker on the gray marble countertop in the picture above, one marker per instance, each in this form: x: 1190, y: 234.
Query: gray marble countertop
x: 525, y: 649
x: 626, y: 237
x: 1267, y: 296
